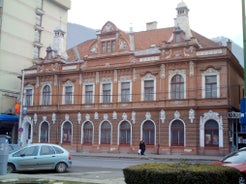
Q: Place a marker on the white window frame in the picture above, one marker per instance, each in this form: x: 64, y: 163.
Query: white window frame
x: 172, y: 73
x: 41, y: 94
x: 170, y: 131
x: 25, y: 92
x: 67, y: 84
x: 210, y: 115
x: 210, y: 72
x: 39, y: 130
x: 106, y: 81
x: 62, y: 131
x: 146, y: 78
x: 120, y: 88
x: 84, y: 94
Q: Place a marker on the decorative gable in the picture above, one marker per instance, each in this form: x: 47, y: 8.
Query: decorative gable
x: 109, y: 27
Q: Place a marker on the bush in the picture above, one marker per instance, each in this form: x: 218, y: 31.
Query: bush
x: 181, y: 173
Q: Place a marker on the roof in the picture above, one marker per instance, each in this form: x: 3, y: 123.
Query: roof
x: 142, y: 40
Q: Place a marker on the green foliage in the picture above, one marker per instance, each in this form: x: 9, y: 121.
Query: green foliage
x: 181, y: 173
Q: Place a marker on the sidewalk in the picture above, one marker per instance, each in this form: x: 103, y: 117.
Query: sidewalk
x: 148, y: 156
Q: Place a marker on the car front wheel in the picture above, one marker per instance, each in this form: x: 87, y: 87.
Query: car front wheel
x: 10, y: 168
x: 61, y: 167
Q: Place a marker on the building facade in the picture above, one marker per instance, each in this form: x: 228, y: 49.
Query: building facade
x: 26, y: 28
x: 171, y: 87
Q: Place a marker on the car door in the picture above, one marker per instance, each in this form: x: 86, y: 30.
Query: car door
x: 46, y: 159
x: 26, y: 158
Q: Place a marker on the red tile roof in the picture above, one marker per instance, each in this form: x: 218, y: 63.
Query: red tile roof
x: 143, y: 40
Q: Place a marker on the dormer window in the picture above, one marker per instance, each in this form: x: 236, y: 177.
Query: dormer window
x: 178, y: 38
x: 108, y: 46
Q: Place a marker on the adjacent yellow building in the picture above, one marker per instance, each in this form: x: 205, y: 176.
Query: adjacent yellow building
x: 26, y: 30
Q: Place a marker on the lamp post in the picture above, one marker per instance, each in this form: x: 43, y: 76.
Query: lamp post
x: 244, y: 44
x: 20, y: 129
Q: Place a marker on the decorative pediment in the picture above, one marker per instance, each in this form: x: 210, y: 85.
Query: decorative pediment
x: 109, y: 27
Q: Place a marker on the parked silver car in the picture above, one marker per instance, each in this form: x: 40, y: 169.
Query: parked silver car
x: 39, y: 157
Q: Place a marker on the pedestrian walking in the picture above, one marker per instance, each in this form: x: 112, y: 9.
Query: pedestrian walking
x: 142, y: 147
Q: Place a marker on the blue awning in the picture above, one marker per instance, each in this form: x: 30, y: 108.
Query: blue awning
x: 6, y: 117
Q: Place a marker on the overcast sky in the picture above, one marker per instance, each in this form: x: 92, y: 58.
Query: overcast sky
x: 210, y: 18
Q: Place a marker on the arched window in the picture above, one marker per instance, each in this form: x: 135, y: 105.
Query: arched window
x: 105, y: 133
x: 149, y: 132
x: 67, y: 133
x: 177, y: 87
x: 211, y: 133
x: 44, y: 133
x: 125, y: 133
x: 177, y: 133
x: 46, y: 95
x: 87, y: 133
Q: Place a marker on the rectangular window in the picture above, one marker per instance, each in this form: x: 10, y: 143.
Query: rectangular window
x: 211, y: 86
x: 68, y: 95
x: 125, y: 91
x: 107, y: 93
x: 37, y: 36
x: 39, y: 4
x: 28, y: 97
x: 103, y: 47
x: 36, y: 52
x: 113, y: 46
x: 38, y: 20
x: 108, y: 46
x: 89, y: 94
x: 148, y: 90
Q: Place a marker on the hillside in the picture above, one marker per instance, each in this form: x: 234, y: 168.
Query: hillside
x: 77, y: 34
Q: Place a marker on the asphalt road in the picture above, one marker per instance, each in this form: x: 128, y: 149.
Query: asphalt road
x: 103, y: 170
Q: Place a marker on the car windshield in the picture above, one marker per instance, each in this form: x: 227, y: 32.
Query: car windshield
x: 236, y: 157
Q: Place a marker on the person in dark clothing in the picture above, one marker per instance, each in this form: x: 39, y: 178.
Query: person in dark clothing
x: 142, y: 147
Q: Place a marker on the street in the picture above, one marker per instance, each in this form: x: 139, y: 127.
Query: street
x: 92, y: 169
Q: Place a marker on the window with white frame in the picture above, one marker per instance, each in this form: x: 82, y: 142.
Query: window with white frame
x: 125, y: 94
x: 105, y: 133
x: 148, y: 88
x: 211, y: 131
x: 88, y: 93
x: 125, y: 133
x: 46, y: 95
x: 44, y: 132
x: 148, y: 130
x: 177, y: 133
x: 177, y: 84
x: 67, y: 132
x: 28, y: 97
x: 68, y: 95
x: 106, y: 93
x: 210, y: 84
x: 108, y: 46
x: 177, y: 87
x: 88, y: 133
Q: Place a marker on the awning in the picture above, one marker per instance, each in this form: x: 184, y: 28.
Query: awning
x: 6, y: 117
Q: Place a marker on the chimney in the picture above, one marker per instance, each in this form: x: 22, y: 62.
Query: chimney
x: 229, y: 44
x: 151, y: 26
